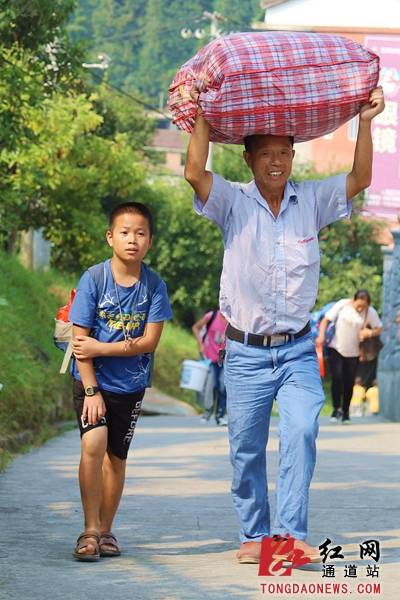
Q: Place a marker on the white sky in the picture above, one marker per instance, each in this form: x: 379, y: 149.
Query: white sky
x: 345, y: 13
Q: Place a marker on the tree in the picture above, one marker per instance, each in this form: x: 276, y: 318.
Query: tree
x: 32, y: 24
x: 229, y: 162
x: 164, y: 50
x: 99, y: 172
x: 65, y: 152
x: 239, y: 14
x: 351, y: 258
x: 142, y: 38
x: 187, y: 250
x: 120, y: 114
x: 114, y: 28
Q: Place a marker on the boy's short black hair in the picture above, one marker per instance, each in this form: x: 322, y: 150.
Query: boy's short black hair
x: 134, y: 208
x: 249, y: 140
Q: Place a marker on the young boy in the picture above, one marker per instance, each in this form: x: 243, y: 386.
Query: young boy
x: 115, y: 329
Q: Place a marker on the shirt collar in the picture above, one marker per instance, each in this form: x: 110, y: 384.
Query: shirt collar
x: 290, y: 194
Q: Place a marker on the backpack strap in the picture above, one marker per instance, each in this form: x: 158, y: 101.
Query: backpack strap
x: 209, y: 323
x: 153, y: 280
x: 67, y: 358
x: 98, y: 274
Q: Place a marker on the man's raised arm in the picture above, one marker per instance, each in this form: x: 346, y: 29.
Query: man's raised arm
x: 197, y: 153
x: 361, y: 173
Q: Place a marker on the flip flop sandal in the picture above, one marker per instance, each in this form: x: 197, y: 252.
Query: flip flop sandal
x: 314, y: 558
x: 109, y: 539
x: 247, y: 559
x: 87, y: 538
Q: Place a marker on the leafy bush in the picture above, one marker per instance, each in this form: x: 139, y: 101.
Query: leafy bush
x: 33, y: 392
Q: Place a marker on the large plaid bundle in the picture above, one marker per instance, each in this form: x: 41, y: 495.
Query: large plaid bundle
x: 300, y: 84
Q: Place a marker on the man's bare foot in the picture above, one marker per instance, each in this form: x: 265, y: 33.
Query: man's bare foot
x: 308, y: 551
x: 249, y: 553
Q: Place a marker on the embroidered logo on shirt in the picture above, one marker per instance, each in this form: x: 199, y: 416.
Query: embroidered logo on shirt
x: 306, y: 240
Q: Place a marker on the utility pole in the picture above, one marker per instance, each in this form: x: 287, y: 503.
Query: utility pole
x: 215, y: 18
x: 103, y: 64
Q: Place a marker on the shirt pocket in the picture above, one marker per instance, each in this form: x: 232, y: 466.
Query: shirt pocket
x: 306, y: 251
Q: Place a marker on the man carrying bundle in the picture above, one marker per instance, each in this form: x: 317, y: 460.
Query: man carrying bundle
x: 269, y: 285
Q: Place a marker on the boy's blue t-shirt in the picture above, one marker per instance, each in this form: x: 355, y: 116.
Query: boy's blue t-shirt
x: 119, y: 374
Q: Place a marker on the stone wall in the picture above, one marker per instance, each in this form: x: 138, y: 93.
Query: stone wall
x: 389, y: 359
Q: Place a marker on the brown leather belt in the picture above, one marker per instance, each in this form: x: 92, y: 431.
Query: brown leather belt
x: 253, y: 339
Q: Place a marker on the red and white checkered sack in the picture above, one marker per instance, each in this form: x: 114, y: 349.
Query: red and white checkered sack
x: 281, y: 83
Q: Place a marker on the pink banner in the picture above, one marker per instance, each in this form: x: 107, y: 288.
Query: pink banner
x: 384, y: 193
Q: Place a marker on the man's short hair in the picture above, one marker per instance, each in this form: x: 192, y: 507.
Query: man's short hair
x: 250, y: 139
x: 136, y: 208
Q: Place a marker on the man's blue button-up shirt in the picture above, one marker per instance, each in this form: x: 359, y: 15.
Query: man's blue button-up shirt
x: 269, y: 280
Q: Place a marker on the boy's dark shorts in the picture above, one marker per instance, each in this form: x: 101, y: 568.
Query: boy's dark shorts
x: 122, y: 413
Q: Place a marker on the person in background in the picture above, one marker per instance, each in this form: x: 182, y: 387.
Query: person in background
x: 372, y: 397
x: 209, y: 332
x: 355, y: 320
x: 357, y: 399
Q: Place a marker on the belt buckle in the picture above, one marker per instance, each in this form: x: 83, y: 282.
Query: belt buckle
x: 278, y: 339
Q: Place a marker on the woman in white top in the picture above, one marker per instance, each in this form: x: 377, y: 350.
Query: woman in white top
x: 355, y: 320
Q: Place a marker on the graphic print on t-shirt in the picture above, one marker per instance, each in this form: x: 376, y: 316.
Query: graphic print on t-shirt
x: 102, y: 314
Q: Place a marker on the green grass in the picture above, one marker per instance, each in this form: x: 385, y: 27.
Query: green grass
x: 327, y: 408
x: 33, y: 393
x: 36, y: 439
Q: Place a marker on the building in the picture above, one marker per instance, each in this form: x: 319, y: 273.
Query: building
x: 378, y: 28
x: 169, y: 143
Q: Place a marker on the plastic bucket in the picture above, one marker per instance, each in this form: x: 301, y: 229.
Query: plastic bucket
x: 194, y: 375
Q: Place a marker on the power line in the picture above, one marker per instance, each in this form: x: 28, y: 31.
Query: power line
x: 135, y: 99
x: 168, y: 29
x: 146, y: 104
x: 142, y: 30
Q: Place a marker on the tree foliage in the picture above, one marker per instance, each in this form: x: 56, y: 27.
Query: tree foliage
x: 144, y: 40
x: 66, y: 149
x: 31, y: 24
x: 163, y: 49
x: 351, y: 258
x: 187, y: 250
x: 238, y: 13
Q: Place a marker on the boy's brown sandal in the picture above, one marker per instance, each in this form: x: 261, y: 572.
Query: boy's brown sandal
x: 108, y: 539
x: 87, y: 538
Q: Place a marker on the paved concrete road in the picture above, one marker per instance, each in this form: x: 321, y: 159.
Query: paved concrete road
x: 176, y: 523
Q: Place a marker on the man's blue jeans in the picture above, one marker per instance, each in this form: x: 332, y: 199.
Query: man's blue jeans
x: 254, y: 377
